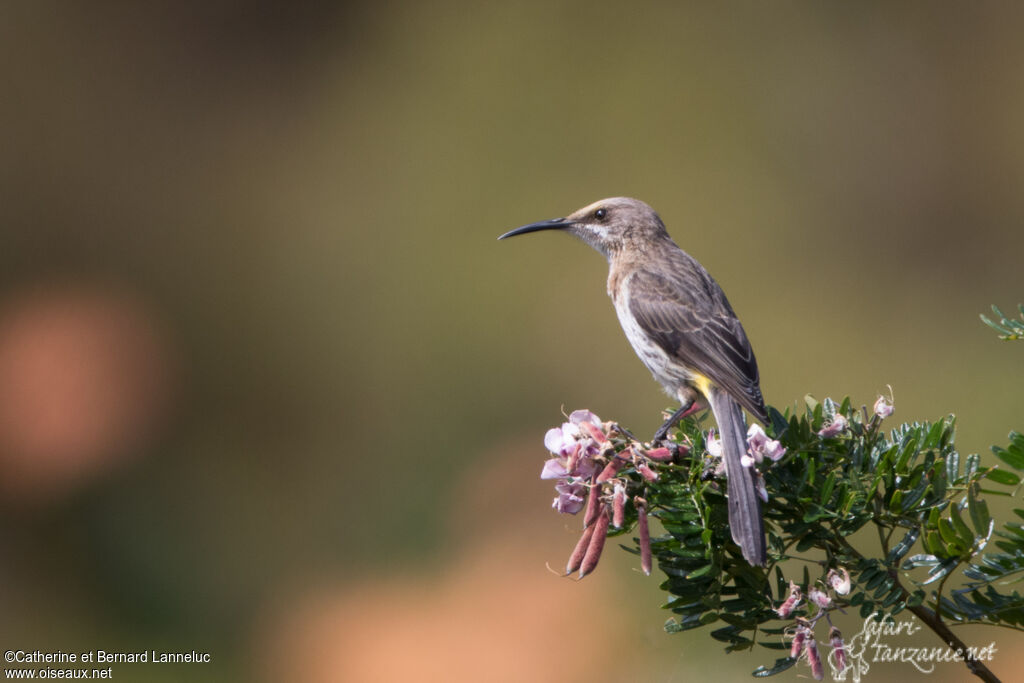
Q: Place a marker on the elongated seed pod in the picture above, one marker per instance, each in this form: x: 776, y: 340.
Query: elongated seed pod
x: 618, y: 506
x: 646, y: 472
x: 596, y: 545
x: 660, y: 454
x: 577, y: 554
x: 645, y: 535
x: 610, y: 470
x: 593, y: 502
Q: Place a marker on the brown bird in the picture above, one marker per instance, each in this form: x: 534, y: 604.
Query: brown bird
x: 684, y: 330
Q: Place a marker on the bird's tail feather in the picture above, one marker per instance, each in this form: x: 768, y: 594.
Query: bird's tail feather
x: 745, y: 520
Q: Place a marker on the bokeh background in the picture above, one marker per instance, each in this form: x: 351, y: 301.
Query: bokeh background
x: 270, y: 389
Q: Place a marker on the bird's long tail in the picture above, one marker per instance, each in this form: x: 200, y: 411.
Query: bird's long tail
x: 744, y: 504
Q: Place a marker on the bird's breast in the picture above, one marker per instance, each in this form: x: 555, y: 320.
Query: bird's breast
x: 669, y: 373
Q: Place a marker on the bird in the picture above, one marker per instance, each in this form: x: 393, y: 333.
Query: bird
x: 680, y: 324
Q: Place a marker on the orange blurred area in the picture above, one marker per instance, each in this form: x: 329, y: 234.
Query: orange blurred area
x: 84, y: 381
x: 484, y: 619
x: 495, y: 612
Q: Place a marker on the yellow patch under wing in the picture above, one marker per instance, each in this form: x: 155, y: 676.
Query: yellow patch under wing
x: 702, y: 383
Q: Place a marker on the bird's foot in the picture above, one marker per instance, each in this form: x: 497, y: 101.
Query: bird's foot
x: 684, y: 411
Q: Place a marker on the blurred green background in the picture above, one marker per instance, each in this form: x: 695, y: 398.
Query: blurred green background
x: 270, y: 389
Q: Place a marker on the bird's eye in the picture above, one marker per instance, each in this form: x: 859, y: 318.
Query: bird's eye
x: 600, y: 214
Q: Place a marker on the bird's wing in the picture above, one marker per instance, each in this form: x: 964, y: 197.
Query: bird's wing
x: 686, y: 314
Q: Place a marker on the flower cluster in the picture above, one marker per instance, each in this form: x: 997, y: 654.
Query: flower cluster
x: 600, y: 468
x: 823, y: 597
x: 588, y: 466
x: 574, y: 445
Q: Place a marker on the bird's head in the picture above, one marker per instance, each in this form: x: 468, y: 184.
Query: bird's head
x: 608, y: 225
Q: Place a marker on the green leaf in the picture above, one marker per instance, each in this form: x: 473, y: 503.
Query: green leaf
x: 703, y: 571
x: 962, y: 530
x: 971, y: 466
x: 933, y: 543
x: 826, y: 488
x: 778, y: 667
x: 978, y: 510
x: 939, y: 571
x: 673, y: 626
x: 934, y: 436
x: 1004, y: 477
x: 897, y: 552
x: 1012, y: 456
x: 779, y: 424
x: 921, y: 560
x: 947, y: 532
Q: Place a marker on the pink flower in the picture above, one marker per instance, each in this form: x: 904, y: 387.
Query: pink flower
x: 835, y: 639
x: 836, y: 426
x: 554, y: 469
x: 562, y: 441
x: 573, y: 448
x: 791, y: 603
x: 578, y: 417
x: 814, y: 659
x: 799, y: 638
x: 839, y: 580
x: 570, y: 497
x: 762, y: 490
x: 883, y: 407
x: 714, y: 444
x: 819, y: 598
x: 761, y: 447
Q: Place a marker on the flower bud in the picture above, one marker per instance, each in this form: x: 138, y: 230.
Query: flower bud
x: 883, y: 408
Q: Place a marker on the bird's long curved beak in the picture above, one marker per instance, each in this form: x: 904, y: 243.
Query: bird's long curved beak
x: 553, y: 224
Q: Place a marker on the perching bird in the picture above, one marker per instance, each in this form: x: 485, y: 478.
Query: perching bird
x: 684, y: 330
